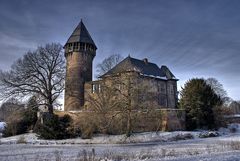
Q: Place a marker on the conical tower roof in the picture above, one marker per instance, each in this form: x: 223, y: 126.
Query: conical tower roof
x: 81, y: 34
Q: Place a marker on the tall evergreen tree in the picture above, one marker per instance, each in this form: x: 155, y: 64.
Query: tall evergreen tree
x: 199, y: 99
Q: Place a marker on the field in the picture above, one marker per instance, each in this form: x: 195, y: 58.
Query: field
x: 143, y: 146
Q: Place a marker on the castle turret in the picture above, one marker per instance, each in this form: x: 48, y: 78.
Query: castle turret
x: 80, y: 51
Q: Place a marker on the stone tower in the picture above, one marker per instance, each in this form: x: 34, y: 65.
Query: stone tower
x: 80, y: 51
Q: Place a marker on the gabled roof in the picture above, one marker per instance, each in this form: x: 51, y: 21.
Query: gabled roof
x: 80, y: 34
x: 143, y: 67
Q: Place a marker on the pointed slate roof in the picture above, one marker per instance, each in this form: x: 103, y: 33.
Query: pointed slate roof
x: 80, y: 34
x: 143, y: 67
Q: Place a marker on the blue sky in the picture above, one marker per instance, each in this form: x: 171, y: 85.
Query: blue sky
x: 193, y: 38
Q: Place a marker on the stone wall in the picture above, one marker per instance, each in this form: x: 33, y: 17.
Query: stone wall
x: 159, y: 93
x: 142, y: 121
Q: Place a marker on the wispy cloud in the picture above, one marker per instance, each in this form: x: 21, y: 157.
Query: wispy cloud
x: 194, y: 38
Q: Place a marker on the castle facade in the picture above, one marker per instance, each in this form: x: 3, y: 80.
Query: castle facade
x: 145, y: 77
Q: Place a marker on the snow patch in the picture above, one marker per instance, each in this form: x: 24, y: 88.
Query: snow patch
x: 145, y: 137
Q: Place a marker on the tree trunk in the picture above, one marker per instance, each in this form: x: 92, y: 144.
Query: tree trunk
x: 50, y: 108
x: 129, y: 111
x: 50, y: 105
x: 129, y: 124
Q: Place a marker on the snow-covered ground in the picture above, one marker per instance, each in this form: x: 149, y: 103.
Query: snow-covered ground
x: 32, y: 138
x: 143, y: 146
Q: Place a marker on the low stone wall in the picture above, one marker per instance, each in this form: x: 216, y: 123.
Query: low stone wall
x: 142, y: 121
x: 232, y: 118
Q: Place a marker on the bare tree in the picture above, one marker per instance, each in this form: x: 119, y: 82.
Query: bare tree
x: 134, y: 95
x: 122, y: 96
x: 40, y: 73
x: 9, y: 107
x: 235, y: 107
x: 104, y: 104
x: 218, y: 89
x: 108, y: 63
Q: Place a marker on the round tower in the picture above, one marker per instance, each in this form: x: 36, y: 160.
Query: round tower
x: 80, y: 51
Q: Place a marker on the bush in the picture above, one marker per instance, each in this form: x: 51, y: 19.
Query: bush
x: 21, y: 120
x: 53, y: 127
x: 19, y: 123
x: 88, y: 127
x: 15, y: 124
x: 21, y: 140
x: 209, y: 134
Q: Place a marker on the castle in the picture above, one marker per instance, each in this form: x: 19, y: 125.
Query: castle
x: 80, y: 51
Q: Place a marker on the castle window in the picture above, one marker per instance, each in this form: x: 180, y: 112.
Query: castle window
x: 70, y: 47
x: 81, y: 46
x: 87, y: 46
x: 91, y: 48
x: 76, y: 46
x: 171, y: 89
x: 162, y: 100
x: 93, y: 88
x: 99, y: 88
x: 161, y: 88
x: 96, y: 88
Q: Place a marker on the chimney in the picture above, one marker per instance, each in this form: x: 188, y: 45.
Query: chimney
x: 145, y: 60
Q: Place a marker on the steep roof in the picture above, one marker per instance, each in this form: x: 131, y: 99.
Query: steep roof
x: 80, y: 34
x: 144, y: 67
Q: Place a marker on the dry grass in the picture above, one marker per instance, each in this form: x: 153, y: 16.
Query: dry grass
x: 21, y: 140
x: 87, y: 156
x: 91, y: 155
x: 235, y: 145
x: 58, y: 155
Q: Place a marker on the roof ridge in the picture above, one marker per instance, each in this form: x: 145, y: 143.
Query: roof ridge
x: 134, y: 65
x: 137, y: 65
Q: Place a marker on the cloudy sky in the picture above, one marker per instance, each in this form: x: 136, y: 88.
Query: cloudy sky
x: 193, y: 38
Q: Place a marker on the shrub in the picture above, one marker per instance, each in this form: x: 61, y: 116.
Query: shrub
x: 21, y: 140
x: 87, y: 128
x: 84, y: 125
x: 209, y: 134
x: 53, y: 127
x: 15, y: 124
x: 21, y: 120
